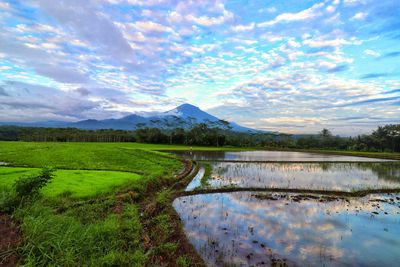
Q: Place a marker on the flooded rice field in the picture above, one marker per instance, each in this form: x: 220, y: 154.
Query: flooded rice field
x: 323, y: 176
x: 270, y: 156
x: 243, y: 228
x: 258, y: 229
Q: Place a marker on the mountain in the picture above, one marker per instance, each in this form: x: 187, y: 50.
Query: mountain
x: 186, y: 111
x: 184, y: 116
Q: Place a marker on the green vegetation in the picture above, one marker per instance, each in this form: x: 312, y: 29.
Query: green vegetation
x: 382, y: 155
x: 89, y: 156
x: 89, y: 213
x: 207, y: 175
x: 88, y: 235
x: 383, y: 139
x: 72, y: 183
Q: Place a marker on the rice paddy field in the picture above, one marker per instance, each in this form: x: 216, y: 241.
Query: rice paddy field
x: 112, y: 204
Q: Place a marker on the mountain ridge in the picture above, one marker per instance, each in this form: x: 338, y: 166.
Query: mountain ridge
x: 183, y: 116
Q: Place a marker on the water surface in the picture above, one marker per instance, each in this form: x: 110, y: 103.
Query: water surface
x: 250, y: 229
x: 196, y: 182
x: 325, y: 176
x: 271, y: 156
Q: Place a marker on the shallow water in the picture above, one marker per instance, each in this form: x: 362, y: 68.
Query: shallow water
x: 250, y: 229
x: 327, y: 176
x: 274, y: 156
x: 196, y: 182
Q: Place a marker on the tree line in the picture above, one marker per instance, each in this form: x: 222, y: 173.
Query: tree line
x: 39, y: 134
x: 384, y: 138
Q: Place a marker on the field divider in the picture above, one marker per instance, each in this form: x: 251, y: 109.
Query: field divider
x: 299, y: 161
x: 359, y: 193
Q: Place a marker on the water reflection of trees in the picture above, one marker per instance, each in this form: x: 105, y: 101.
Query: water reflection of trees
x: 389, y: 171
x: 383, y: 170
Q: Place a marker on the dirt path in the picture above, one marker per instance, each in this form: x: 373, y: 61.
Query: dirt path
x: 155, y: 237
x: 359, y: 193
x: 10, y: 238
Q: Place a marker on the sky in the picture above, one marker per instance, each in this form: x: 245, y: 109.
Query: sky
x: 290, y: 66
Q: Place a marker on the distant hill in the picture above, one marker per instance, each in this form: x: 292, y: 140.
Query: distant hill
x: 183, y: 116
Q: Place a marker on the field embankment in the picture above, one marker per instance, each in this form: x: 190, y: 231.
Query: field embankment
x: 107, y: 205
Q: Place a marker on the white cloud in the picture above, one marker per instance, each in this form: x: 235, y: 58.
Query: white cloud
x: 353, y: 2
x: 322, y: 41
x: 209, y: 21
x: 330, y: 9
x: 371, y: 53
x: 241, y: 28
x: 359, y: 16
x: 175, y: 17
x: 150, y: 26
x: 293, y: 43
x: 306, y: 14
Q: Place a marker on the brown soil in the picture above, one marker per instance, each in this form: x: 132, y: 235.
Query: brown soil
x: 10, y: 238
x: 118, y: 208
x: 151, y: 209
x: 359, y: 193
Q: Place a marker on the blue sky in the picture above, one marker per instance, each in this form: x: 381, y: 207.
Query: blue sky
x: 290, y: 66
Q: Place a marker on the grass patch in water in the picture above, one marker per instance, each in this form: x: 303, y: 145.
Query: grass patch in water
x: 207, y: 175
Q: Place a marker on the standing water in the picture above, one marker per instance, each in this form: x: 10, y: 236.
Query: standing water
x: 249, y: 229
x: 270, y: 156
x: 259, y: 229
x: 323, y: 176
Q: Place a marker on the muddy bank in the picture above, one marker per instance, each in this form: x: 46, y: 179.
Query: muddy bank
x: 359, y: 193
x: 162, y: 225
x: 9, y: 241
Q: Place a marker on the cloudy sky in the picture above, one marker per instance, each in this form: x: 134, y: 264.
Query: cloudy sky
x: 290, y: 66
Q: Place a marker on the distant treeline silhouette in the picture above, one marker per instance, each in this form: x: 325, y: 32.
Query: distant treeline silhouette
x: 384, y: 138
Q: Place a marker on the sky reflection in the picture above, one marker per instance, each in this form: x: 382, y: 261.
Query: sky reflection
x: 247, y: 229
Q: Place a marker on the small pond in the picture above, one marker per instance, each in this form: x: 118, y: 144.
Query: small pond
x: 258, y: 229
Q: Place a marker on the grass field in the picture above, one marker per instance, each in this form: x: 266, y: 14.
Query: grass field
x: 135, y: 158
x: 73, y: 183
x: 71, y: 226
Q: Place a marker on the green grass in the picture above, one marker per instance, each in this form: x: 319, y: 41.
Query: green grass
x: 72, y: 183
x: 89, y: 235
x: 207, y: 175
x: 116, y: 156
x: 89, y: 156
x: 383, y: 155
x: 83, y: 184
x: 61, y: 230
x: 8, y: 175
